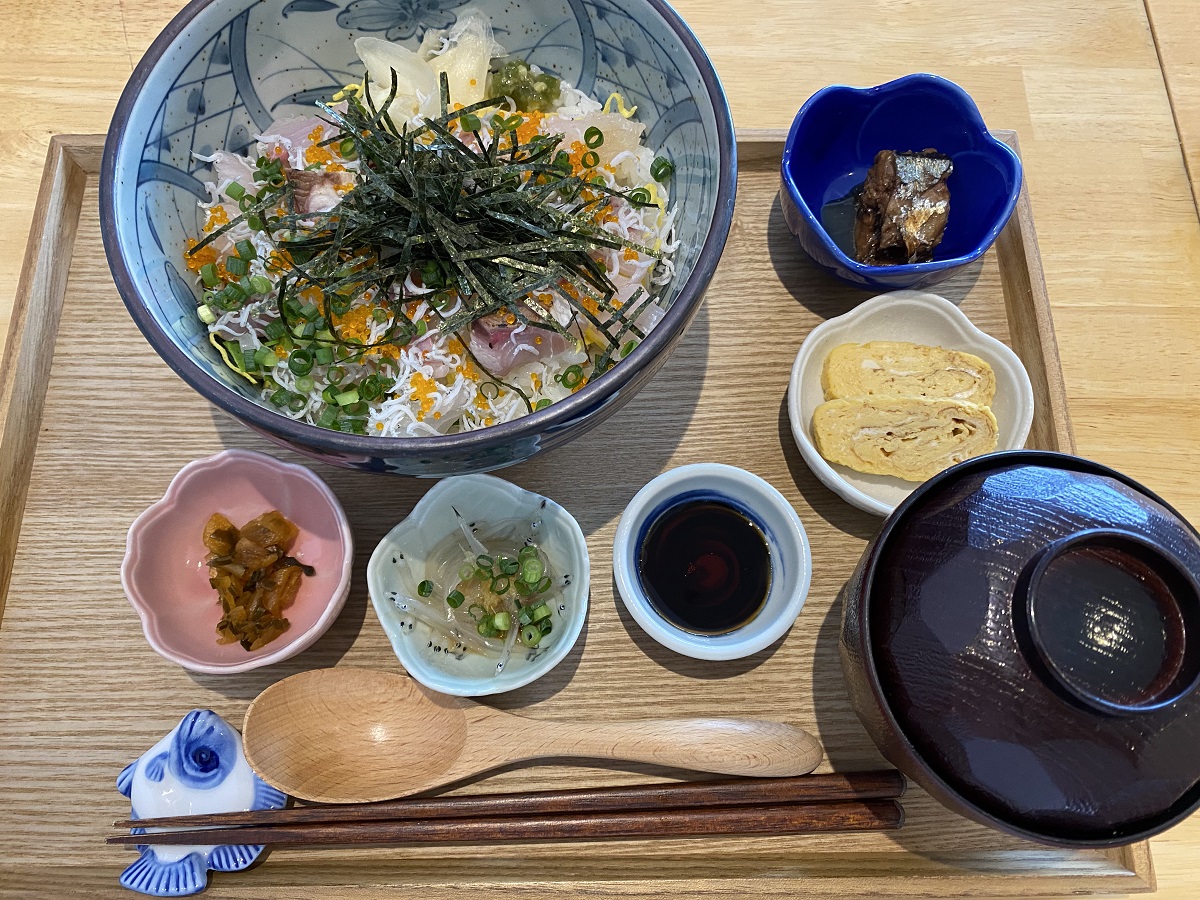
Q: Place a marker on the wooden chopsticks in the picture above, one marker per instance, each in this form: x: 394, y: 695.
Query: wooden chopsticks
x: 809, y: 803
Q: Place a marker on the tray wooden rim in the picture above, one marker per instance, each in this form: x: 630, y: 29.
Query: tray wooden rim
x: 74, y: 159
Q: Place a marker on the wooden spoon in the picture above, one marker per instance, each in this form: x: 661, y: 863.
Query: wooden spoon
x: 359, y: 735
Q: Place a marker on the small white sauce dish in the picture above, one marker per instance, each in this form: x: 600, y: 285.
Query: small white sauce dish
x: 398, y: 566
x: 758, y: 501
x: 920, y: 318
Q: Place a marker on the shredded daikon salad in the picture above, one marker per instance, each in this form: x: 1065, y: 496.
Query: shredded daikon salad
x: 440, y: 248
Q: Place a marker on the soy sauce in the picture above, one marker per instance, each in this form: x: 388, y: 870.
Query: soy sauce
x: 705, y: 567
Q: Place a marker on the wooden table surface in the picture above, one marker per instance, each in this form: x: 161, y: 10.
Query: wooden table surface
x: 1105, y: 95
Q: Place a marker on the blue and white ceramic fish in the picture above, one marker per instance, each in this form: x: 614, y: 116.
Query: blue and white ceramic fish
x: 198, y: 768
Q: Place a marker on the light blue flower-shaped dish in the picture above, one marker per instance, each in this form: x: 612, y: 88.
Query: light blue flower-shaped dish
x: 485, y: 504
x: 197, y: 769
x: 834, y: 139
x: 223, y: 70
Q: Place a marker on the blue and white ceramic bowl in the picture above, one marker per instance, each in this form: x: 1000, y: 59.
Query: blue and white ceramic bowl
x: 758, y: 501
x: 224, y: 69
x: 834, y: 139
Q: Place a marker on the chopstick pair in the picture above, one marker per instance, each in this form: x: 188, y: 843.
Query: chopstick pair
x: 856, y: 801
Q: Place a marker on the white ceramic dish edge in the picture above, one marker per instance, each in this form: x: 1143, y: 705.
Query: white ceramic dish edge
x: 787, y: 537
x: 513, y: 498
x: 923, y: 318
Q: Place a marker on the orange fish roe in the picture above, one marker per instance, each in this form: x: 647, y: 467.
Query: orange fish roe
x: 316, y: 154
x: 590, y: 305
x: 379, y: 426
x: 536, y: 380
x: 355, y: 323
x: 216, y: 217
x: 199, y: 259
x: 489, y: 421
x: 531, y: 127
x: 424, y: 391
x: 629, y: 254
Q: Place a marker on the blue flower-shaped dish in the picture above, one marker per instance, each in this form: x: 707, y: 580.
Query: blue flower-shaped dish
x: 197, y: 769
x: 834, y: 139
x: 223, y: 70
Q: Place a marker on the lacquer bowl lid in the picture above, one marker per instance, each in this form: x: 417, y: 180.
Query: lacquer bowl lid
x: 1034, y: 624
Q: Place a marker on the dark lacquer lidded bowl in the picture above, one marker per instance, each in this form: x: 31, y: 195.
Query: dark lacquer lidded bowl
x: 1022, y: 638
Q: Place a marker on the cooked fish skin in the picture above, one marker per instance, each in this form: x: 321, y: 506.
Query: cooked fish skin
x: 903, y: 208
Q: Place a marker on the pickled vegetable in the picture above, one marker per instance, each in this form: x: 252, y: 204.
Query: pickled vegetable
x: 254, y: 576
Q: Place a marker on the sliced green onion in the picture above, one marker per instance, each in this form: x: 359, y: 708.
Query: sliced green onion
x: 345, y: 398
x: 296, y: 402
x: 542, y: 404
x: 527, y: 552
x: 572, y: 377
x: 532, y: 570
x: 245, y: 250
x: 328, y: 417
x: 500, y: 585
x: 628, y: 348
x: 329, y: 393
x: 483, y: 561
x: 323, y: 356
x: 357, y: 409
x: 280, y: 397
x: 260, y: 284
x: 539, y: 612
x: 208, y: 274
x: 661, y: 169
x: 545, y: 626
x: 469, y: 122
x: 593, y: 137
x: 530, y: 636
x: 455, y: 599
x: 422, y: 327
x: 490, y: 390
x: 347, y: 148
x: 502, y: 620
x: 486, y: 628
x: 336, y: 374
x: 380, y: 315
x: 305, y: 383
x: 425, y: 588
x: 275, y: 330
x: 235, y: 191
x: 206, y: 314
x: 266, y: 358
x: 543, y: 585
x: 508, y: 565
x: 591, y: 159
x: 465, y: 571
x: 237, y: 266
x: 639, y: 196
x: 248, y: 362
x: 254, y: 223
x: 301, y: 362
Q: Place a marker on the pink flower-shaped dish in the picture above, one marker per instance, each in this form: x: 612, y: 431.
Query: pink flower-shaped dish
x: 165, y: 572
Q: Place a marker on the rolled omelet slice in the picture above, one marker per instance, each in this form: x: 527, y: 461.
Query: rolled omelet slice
x: 912, y: 438
x: 901, y: 369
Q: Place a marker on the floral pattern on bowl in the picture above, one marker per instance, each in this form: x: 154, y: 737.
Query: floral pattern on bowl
x: 165, y: 571
x: 197, y: 769
x: 397, y: 567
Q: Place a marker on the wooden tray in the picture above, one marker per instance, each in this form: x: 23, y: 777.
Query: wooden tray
x: 97, y: 425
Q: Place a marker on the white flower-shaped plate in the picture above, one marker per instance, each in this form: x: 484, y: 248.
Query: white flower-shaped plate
x: 398, y: 565
x: 921, y: 318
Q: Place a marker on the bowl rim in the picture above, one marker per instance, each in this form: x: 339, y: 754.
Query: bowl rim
x: 163, y: 505
x: 419, y: 670
x: 556, y: 416
x: 913, y: 758
x: 937, y: 304
x: 973, y: 117
x: 741, y: 484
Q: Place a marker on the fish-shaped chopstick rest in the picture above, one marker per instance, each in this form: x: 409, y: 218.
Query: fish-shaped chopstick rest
x: 198, y: 768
